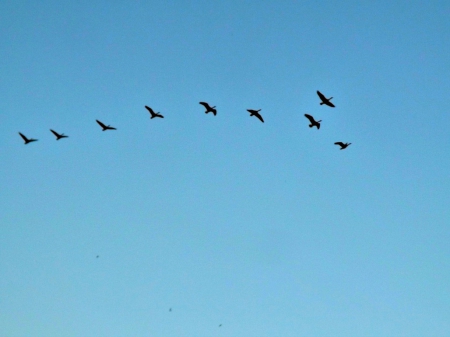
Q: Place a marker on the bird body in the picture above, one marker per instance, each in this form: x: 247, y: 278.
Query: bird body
x: 154, y: 114
x: 209, y: 108
x: 313, y: 121
x: 105, y: 127
x: 27, y: 140
x: 256, y: 114
x: 58, y: 136
x: 342, y: 145
x: 325, y: 100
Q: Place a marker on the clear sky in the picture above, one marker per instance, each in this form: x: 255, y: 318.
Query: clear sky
x: 268, y: 229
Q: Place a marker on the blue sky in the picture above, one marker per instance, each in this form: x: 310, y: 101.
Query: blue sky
x: 267, y: 229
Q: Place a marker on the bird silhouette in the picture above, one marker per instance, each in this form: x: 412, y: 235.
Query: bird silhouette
x: 342, y: 145
x: 256, y: 114
x: 325, y: 100
x: 154, y: 114
x: 105, y: 127
x: 58, y: 136
x: 170, y: 310
x: 220, y: 325
x: 209, y: 108
x: 313, y: 122
x: 27, y: 140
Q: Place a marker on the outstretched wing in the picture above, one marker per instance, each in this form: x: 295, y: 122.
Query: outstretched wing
x: 23, y: 137
x: 259, y: 117
x: 322, y: 97
x: 150, y: 110
x: 339, y: 143
x: 311, y: 118
x: 55, y: 133
x: 159, y: 115
x: 330, y: 104
x: 206, y: 105
x: 101, y: 124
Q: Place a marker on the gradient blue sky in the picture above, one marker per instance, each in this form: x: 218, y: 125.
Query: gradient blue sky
x: 267, y: 229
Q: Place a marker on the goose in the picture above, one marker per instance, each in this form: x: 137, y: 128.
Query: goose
x: 27, y: 140
x: 313, y: 122
x: 154, y: 114
x: 58, y: 136
x: 256, y: 114
x: 209, y: 108
x: 105, y: 127
x: 342, y: 145
x: 325, y: 100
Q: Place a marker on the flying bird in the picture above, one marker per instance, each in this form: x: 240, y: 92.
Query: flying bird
x: 27, y: 140
x: 342, y: 145
x: 154, y: 114
x: 256, y: 114
x: 220, y: 325
x: 58, y: 136
x: 209, y: 108
x: 105, y: 127
x: 313, y: 122
x: 325, y: 100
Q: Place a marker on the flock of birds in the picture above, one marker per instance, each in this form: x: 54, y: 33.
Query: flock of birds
x: 213, y: 110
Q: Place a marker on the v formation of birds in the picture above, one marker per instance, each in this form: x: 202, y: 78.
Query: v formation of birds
x: 213, y: 110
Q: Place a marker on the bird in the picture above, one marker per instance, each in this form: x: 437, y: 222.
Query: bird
x: 27, y: 140
x: 58, y: 136
x: 97, y: 256
x: 313, y: 122
x: 342, y: 145
x: 209, y: 108
x: 154, y: 114
x: 170, y: 310
x: 256, y: 114
x: 105, y: 127
x: 325, y: 100
x: 220, y: 325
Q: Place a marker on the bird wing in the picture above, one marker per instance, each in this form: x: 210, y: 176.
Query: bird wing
x: 159, y: 115
x: 330, y: 104
x: 339, y: 143
x: 311, y: 118
x: 110, y: 128
x: 23, y: 137
x: 322, y: 97
x: 206, y: 105
x: 55, y: 133
x: 150, y: 110
x: 101, y: 124
x: 259, y: 117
